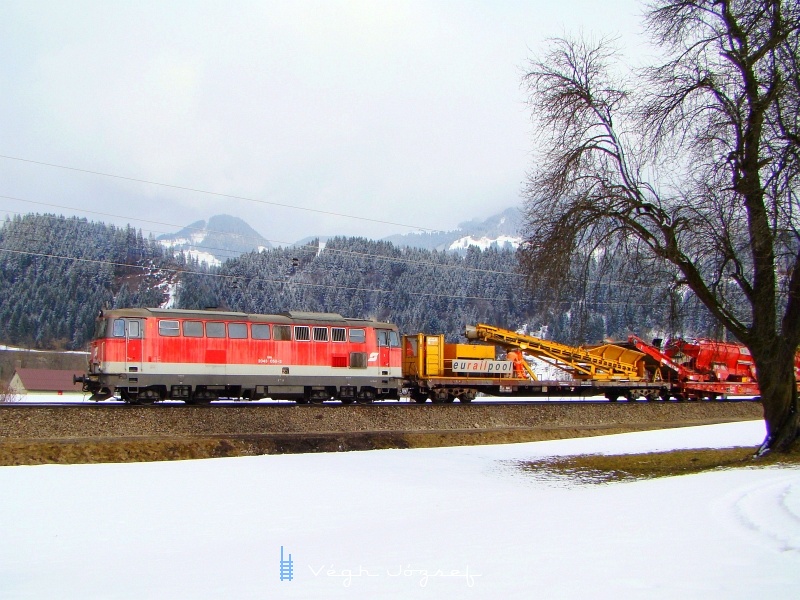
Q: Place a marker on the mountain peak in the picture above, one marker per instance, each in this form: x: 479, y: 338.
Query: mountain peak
x: 221, y: 238
x: 500, y: 230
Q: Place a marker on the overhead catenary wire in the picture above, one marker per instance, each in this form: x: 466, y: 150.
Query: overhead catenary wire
x: 272, y: 241
x: 216, y: 194
x: 266, y: 202
x: 381, y: 257
x: 248, y: 279
x: 295, y: 282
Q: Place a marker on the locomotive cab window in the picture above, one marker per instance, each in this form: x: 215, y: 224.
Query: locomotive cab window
x: 119, y: 328
x: 131, y: 328
x: 320, y: 334
x: 215, y: 329
x: 134, y: 328
x: 169, y: 328
x: 260, y: 332
x: 358, y: 335
x: 237, y: 331
x: 193, y: 329
x: 388, y: 338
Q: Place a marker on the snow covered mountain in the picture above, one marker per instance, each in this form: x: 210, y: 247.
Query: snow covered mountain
x: 500, y: 230
x: 223, y: 237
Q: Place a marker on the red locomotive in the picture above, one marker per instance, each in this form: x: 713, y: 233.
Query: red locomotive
x: 148, y: 355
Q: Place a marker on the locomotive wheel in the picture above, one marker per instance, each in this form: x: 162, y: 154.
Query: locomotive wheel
x: 347, y: 400
x: 317, y: 396
x: 147, y: 397
x: 203, y: 397
x: 153, y: 394
x: 366, y: 396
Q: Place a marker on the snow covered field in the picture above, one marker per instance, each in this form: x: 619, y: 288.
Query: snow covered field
x: 433, y: 523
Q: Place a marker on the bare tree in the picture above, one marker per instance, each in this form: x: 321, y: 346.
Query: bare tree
x: 692, y: 164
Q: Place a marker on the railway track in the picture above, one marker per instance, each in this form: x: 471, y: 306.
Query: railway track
x: 18, y: 420
x: 377, y: 405
x: 78, y: 432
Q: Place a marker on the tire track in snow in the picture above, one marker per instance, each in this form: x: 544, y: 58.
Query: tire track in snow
x: 769, y: 512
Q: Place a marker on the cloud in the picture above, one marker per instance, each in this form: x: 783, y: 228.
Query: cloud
x: 404, y: 111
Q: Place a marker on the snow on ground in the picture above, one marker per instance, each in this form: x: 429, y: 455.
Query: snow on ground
x: 18, y: 349
x: 430, y: 523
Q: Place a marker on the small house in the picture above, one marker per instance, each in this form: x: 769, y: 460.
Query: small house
x: 39, y: 381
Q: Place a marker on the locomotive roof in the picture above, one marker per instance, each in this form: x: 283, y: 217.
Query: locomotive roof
x: 285, y: 317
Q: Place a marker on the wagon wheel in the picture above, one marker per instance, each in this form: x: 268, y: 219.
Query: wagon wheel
x: 419, y: 396
x: 440, y: 396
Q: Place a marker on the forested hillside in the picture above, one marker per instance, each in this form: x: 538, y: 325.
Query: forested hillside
x: 56, y: 273
x: 441, y: 292
x: 420, y: 290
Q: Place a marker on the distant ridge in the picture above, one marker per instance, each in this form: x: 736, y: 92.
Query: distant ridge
x: 500, y: 231
x: 223, y: 237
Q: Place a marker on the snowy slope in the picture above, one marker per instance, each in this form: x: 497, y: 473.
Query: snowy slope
x: 434, y: 523
x: 485, y: 242
x: 213, y: 243
x: 500, y: 230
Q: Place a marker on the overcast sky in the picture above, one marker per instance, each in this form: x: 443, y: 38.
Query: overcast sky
x: 405, y: 112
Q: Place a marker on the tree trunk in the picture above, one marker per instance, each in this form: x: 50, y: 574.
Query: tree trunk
x: 776, y: 380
